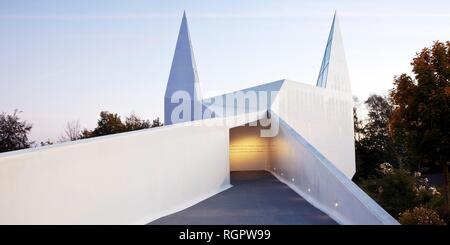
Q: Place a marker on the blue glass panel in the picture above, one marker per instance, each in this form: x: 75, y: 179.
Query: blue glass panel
x: 323, y: 73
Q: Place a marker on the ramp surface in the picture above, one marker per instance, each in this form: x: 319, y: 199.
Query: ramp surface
x: 256, y: 198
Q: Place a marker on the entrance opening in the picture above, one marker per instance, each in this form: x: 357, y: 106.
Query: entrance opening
x: 248, y: 150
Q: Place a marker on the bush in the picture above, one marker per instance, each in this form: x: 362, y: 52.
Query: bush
x: 397, y: 190
x: 394, y: 190
x: 420, y: 216
x: 13, y: 132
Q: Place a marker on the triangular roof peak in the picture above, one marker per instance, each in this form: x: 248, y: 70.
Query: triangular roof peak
x: 333, y: 71
x: 183, y: 72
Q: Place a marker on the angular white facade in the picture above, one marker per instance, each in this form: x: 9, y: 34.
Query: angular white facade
x: 137, y: 177
x: 322, y: 113
x: 313, y: 151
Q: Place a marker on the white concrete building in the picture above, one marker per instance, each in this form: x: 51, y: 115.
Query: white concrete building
x: 302, y: 134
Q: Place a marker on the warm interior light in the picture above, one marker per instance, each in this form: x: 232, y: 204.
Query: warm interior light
x: 247, y: 150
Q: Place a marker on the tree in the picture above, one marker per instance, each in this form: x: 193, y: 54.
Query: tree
x: 393, y: 190
x: 86, y: 133
x: 133, y: 122
x: 398, y: 189
x: 156, y: 123
x: 72, y: 132
x: 360, y: 151
x: 377, y: 138
x: 13, y: 132
x: 421, y: 115
x: 47, y: 142
x: 109, y: 123
x: 373, y: 143
x: 420, y: 216
x: 358, y: 127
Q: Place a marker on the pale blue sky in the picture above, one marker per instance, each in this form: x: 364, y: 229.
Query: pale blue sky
x: 68, y: 60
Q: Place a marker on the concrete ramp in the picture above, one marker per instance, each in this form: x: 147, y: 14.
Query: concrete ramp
x: 256, y: 198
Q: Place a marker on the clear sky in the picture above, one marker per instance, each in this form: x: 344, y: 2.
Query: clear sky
x: 68, y: 60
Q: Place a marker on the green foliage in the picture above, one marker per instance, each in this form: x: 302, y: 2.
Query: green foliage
x: 421, y: 118
x: 47, y: 142
x: 411, y: 130
x: 13, y: 132
x: 135, y: 123
x: 422, y: 114
x: 373, y: 143
x: 156, y: 123
x: 111, y: 123
x: 420, y: 216
x: 397, y: 190
x: 393, y: 190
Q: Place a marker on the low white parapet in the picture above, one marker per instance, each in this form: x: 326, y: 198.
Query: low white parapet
x: 128, y: 178
x: 298, y: 164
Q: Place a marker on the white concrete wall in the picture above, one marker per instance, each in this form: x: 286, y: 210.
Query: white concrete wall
x: 323, y: 117
x: 303, y: 168
x: 129, y: 178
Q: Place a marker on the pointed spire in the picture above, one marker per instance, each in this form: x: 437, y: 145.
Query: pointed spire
x: 333, y: 71
x: 183, y: 73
